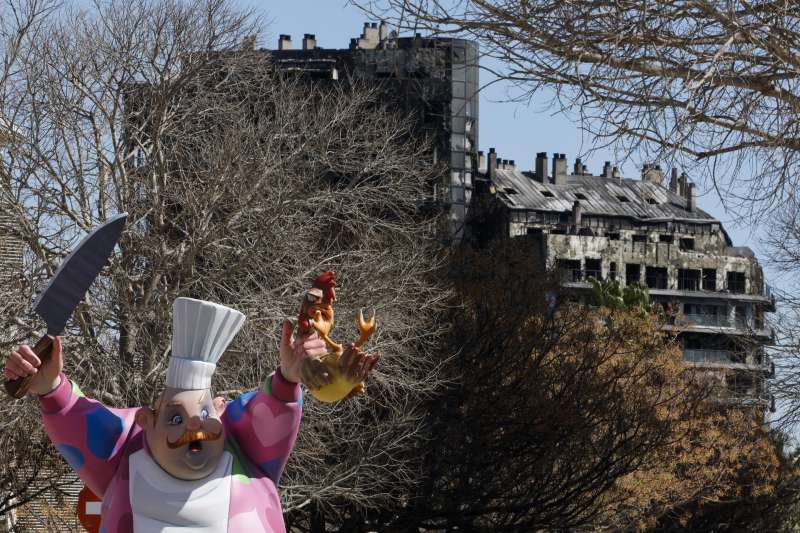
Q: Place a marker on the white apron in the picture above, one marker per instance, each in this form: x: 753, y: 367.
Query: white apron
x: 164, y: 504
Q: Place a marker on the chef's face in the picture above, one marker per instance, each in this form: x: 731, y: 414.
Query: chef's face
x: 184, y: 432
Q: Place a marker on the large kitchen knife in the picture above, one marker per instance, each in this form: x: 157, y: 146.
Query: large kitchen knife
x: 66, y: 289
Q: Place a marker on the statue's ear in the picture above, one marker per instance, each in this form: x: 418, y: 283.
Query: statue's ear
x: 219, y: 405
x: 145, y: 417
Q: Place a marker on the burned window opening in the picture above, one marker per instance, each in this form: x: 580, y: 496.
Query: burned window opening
x: 709, y: 279
x: 657, y: 278
x: 569, y: 269
x: 594, y: 269
x: 736, y: 282
x: 688, y: 279
x: 633, y: 274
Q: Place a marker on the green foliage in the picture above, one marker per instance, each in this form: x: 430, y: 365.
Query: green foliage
x: 608, y: 293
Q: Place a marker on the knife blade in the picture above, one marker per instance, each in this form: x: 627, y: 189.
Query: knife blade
x: 67, y: 288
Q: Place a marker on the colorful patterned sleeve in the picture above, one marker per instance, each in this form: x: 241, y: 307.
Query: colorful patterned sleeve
x: 89, y: 435
x: 265, y: 422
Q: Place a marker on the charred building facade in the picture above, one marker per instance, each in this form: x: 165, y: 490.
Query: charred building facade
x: 646, y: 231
x: 435, y: 79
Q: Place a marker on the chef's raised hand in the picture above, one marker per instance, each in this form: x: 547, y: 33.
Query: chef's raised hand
x: 23, y: 363
x: 300, y: 358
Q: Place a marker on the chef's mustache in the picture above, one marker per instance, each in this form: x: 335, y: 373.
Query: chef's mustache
x: 191, y: 436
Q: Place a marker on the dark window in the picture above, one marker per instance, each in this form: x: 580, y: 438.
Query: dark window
x: 639, y: 238
x: 509, y: 190
x: 656, y: 277
x: 632, y: 274
x: 651, y: 201
x: 740, y: 316
x: 593, y: 269
x: 548, y: 194
x: 709, y: 279
x: 740, y: 384
x: 687, y: 244
x: 622, y: 198
x: 570, y: 269
x: 665, y: 238
x: 580, y: 196
x: 613, y: 236
x: 612, y: 270
x: 736, y: 282
x: 688, y: 279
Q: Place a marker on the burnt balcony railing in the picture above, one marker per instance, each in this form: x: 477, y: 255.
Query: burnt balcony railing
x: 708, y: 319
x: 694, y: 355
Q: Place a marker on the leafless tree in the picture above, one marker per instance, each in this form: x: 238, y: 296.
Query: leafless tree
x: 241, y: 184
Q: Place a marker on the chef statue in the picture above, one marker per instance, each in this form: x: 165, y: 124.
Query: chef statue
x: 190, y: 462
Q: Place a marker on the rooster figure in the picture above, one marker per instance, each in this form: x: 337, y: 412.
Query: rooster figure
x: 316, y: 314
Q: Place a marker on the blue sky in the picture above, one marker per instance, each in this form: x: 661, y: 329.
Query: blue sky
x: 517, y: 131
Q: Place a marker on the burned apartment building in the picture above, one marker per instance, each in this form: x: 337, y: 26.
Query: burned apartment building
x: 646, y: 231
x: 434, y: 79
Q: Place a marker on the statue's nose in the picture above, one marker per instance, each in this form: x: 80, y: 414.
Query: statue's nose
x: 194, y: 424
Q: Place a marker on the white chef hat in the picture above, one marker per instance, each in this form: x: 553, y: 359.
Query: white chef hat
x: 200, y: 333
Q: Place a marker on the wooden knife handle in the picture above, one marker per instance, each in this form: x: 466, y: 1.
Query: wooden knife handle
x: 17, y: 388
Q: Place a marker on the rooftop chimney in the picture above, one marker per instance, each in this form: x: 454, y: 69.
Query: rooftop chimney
x: 559, y: 169
x: 673, y: 180
x: 369, y: 36
x: 577, y: 214
x: 683, y: 182
x: 383, y: 31
x: 481, y: 161
x: 607, y: 171
x: 491, y: 167
x: 616, y: 173
x: 284, y: 42
x: 540, y: 173
x: 511, y: 164
x: 652, y: 174
x: 577, y: 168
x: 691, y: 198
x: 309, y: 41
